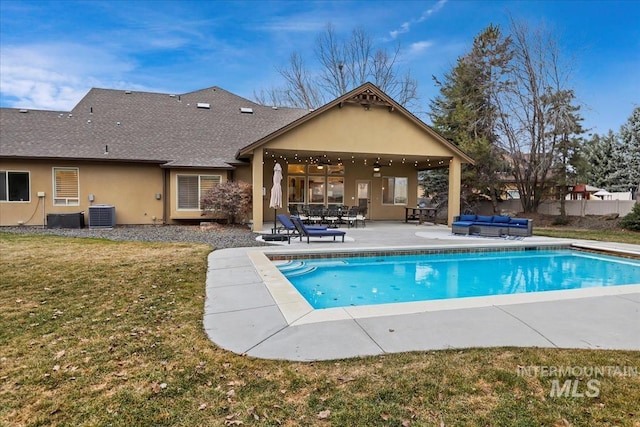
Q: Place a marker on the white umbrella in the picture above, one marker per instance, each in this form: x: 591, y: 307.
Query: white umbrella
x: 276, y: 192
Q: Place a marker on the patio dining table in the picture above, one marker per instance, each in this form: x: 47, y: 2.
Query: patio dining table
x: 420, y: 214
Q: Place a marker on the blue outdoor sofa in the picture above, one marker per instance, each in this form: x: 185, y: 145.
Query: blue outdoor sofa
x: 494, y: 226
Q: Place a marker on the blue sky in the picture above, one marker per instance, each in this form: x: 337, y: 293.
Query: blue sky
x: 53, y: 52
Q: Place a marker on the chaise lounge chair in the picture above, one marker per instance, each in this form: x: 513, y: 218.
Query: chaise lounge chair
x: 309, y: 232
x: 290, y: 228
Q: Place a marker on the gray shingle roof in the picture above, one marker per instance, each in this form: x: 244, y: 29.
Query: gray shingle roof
x: 141, y: 126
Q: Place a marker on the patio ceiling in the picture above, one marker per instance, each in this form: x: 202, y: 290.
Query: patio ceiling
x: 336, y: 158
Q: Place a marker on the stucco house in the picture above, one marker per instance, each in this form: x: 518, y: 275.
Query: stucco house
x: 151, y: 155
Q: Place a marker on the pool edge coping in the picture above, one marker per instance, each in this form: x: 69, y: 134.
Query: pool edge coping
x: 296, y: 310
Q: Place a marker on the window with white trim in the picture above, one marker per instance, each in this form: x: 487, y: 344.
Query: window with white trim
x: 191, y: 188
x: 14, y: 186
x: 66, y: 187
x: 394, y: 190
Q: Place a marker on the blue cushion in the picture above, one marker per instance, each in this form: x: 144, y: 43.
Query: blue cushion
x: 463, y: 223
x: 518, y: 221
x: 481, y: 218
x: 467, y: 217
x: 501, y: 218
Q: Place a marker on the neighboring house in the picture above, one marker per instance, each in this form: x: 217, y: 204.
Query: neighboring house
x: 153, y: 155
x: 583, y: 192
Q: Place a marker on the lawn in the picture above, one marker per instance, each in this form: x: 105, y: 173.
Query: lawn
x: 619, y: 236
x: 96, y: 332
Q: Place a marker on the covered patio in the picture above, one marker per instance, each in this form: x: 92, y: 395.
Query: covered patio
x: 363, y: 149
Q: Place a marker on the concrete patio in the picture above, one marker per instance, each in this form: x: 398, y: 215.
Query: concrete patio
x: 250, y: 309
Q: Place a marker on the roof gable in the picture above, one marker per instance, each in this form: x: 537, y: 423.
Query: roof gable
x: 367, y: 95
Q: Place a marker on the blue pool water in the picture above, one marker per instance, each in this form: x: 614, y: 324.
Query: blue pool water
x: 340, y: 282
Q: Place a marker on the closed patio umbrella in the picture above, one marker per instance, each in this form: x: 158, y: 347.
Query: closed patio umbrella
x: 276, y: 192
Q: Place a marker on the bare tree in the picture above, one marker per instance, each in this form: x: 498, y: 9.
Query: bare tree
x: 527, y: 111
x: 343, y: 64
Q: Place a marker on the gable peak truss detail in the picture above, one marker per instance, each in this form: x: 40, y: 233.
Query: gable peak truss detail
x: 367, y: 98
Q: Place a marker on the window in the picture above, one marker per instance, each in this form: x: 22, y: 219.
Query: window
x: 191, y: 188
x: 316, y: 189
x: 296, y: 189
x: 14, y: 186
x: 335, y: 191
x: 394, y: 190
x: 295, y: 169
x: 335, y: 170
x: 66, y: 188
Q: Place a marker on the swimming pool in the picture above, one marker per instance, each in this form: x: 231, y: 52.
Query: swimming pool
x: 385, y: 279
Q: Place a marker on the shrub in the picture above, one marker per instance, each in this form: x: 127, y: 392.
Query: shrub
x: 632, y: 220
x: 561, y: 220
x: 232, y: 198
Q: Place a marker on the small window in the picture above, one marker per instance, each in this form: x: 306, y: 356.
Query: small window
x: 335, y: 170
x: 14, y: 186
x: 394, y: 190
x: 191, y: 188
x: 66, y: 188
x: 316, y: 169
x: 293, y: 169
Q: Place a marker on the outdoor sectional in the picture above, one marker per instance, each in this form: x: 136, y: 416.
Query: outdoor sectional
x: 495, y: 226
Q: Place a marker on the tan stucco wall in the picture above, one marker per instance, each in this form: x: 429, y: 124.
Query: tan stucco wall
x: 111, y: 184
x: 242, y: 173
x: 352, y: 129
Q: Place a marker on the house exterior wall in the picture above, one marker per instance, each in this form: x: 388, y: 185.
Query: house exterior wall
x: 131, y: 188
x: 353, y: 129
x: 176, y: 215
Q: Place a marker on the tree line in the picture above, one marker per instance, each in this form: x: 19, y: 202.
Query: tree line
x: 508, y: 102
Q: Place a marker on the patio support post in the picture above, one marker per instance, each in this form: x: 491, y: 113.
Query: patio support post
x: 257, y: 180
x: 453, y: 209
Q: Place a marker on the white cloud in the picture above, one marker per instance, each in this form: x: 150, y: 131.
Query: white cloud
x: 406, y: 26
x: 56, y: 76
x: 427, y: 13
x: 419, y: 47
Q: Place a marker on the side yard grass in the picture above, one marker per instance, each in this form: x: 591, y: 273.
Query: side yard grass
x: 620, y: 236
x: 96, y: 332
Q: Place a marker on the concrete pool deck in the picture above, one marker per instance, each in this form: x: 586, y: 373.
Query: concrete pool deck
x: 250, y: 308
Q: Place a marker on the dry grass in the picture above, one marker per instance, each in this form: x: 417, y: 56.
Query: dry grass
x: 620, y: 236
x: 95, y: 332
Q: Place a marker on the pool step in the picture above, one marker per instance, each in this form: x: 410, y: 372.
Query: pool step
x: 299, y: 272
x: 295, y: 268
x: 290, y: 265
x: 298, y: 268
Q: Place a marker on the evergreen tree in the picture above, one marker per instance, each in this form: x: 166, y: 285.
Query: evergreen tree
x: 605, y: 162
x: 563, y: 126
x: 630, y: 143
x: 464, y: 113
